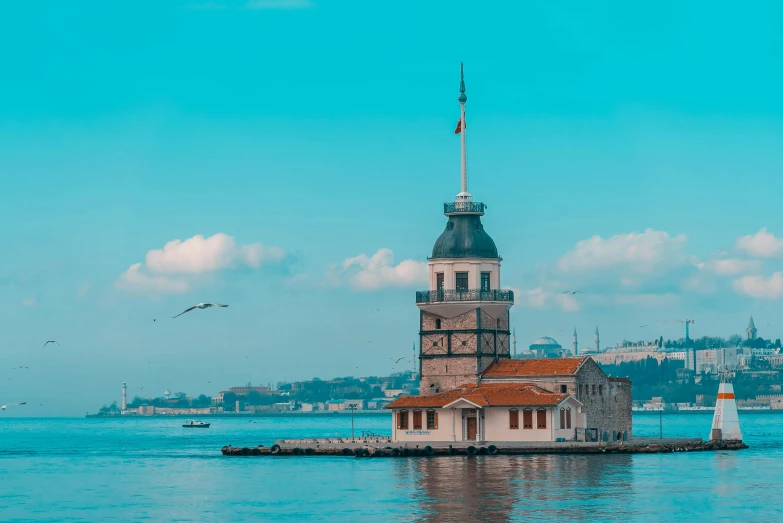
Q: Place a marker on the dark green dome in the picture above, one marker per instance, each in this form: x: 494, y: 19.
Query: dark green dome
x: 464, y: 237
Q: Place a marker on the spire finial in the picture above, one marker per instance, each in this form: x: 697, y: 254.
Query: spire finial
x: 462, y: 96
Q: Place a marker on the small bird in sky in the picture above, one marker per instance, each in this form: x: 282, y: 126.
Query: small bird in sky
x: 572, y: 292
x: 6, y: 406
x: 201, y: 306
x: 142, y: 388
x: 643, y: 326
x: 51, y: 341
x: 399, y: 359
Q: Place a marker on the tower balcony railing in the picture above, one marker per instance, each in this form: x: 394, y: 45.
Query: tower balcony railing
x: 443, y: 296
x: 463, y: 207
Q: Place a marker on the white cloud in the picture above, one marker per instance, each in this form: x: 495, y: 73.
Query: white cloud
x: 759, y: 287
x: 174, y: 268
x: 730, y: 266
x: 198, y: 255
x: 367, y: 273
x: 635, y: 252
x: 28, y: 302
x: 135, y: 280
x: 763, y: 244
x: 279, y: 4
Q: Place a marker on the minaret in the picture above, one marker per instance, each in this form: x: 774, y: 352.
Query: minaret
x: 597, y: 340
x: 514, y: 343
x: 576, y: 344
x: 725, y: 422
x: 124, y: 397
x: 464, y: 316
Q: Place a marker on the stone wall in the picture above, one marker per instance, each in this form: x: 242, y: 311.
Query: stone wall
x: 447, y: 373
x: 466, y: 321
x: 488, y: 322
x: 464, y: 343
x: 434, y: 344
x: 607, y: 403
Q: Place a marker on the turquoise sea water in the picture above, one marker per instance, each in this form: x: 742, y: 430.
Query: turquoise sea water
x: 154, y: 470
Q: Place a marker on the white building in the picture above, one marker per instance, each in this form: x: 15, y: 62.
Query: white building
x: 487, y: 412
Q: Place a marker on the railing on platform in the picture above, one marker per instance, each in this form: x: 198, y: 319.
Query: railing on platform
x: 469, y: 207
x: 501, y: 295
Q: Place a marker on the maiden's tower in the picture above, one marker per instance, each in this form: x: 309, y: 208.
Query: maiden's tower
x: 464, y: 317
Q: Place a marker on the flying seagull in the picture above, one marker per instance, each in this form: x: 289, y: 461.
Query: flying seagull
x: 6, y: 406
x: 572, y: 292
x: 201, y: 306
x: 399, y: 359
x: 51, y: 341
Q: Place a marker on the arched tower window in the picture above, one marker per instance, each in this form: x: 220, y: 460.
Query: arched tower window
x: 437, y: 323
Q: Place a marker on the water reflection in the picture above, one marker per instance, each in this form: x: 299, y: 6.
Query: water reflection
x: 520, y: 488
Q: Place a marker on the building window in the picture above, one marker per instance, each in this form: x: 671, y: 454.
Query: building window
x: 416, y: 420
x: 527, y: 419
x: 593, y: 389
x: 579, y: 391
x: 568, y: 418
x: 437, y: 324
x: 564, y: 389
x: 462, y: 282
x: 485, y: 281
x: 562, y: 418
x: 432, y: 420
x: 513, y: 419
x: 600, y: 390
x: 439, y: 281
x: 541, y: 415
x: 402, y: 420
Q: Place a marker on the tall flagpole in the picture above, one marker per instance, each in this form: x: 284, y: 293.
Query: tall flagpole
x: 464, y: 195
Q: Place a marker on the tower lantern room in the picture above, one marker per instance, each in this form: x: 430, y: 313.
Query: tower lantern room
x: 464, y: 316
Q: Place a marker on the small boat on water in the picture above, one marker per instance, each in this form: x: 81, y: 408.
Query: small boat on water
x: 195, y: 424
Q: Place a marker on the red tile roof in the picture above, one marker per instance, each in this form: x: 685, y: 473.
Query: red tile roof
x: 534, y: 367
x: 486, y: 395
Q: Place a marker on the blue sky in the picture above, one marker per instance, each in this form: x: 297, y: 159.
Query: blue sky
x: 630, y: 151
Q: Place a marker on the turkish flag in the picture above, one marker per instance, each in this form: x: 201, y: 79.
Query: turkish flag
x: 459, y: 127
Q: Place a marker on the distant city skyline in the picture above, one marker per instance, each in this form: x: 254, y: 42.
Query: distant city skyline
x: 258, y: 154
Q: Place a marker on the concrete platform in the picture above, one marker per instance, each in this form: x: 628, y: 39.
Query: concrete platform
x: 383, y: 447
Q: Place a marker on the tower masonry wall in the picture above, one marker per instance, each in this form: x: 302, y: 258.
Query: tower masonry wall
x: 488, y: 322
x: 447, y: 373
x: 464, y: 343
x: 466, y: 321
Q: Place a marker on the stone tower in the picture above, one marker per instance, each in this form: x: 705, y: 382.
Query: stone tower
x: 464, y: 316
x: 750, y: 332
x: 597, y: 340
x: 575, y: 344
x: 124, y: 398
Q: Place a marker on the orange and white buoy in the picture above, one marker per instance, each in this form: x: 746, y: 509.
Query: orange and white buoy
x: 725, y: 423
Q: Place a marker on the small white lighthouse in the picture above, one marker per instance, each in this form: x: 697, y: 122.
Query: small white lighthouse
x: 124, y: 397
x: 725, y: 423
